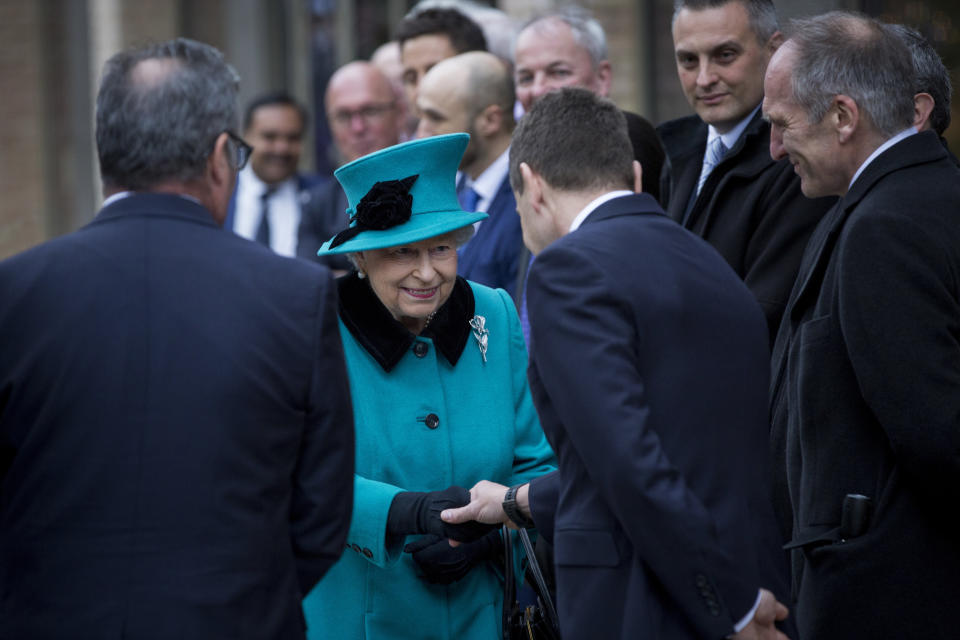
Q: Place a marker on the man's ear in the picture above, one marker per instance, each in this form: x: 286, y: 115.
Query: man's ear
x: 845, y: 116
x: 604, y: 78
x: 532, y: 186
x: 774, y: 43
x: 922, y: 108
x: 637, y: 177
x: 489, y: 120
x: 221, y: 176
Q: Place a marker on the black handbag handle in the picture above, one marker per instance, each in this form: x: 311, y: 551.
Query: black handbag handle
x: 534, y: 568
x: 510, y: 586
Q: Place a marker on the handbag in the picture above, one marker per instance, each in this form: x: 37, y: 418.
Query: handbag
x: 533, y: 622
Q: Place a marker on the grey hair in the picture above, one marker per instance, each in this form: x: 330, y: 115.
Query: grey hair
x: 762, y: 14
x: 157, y: 126
x: 851, y: 54
x: 933, y: 77
x: 587, y: 31
x: 460, y: 238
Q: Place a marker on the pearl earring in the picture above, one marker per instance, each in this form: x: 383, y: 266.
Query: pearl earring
x: 361, y: 274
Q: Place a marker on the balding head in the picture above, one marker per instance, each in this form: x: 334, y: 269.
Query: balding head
x: 362, y: 110
x: 471, y: 92
x: 564, y: 49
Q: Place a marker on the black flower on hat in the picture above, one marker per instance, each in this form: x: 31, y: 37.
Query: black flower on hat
x: 386, y: 205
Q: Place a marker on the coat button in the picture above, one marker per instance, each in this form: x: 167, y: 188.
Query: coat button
x: 355, y: 547
x: 432, y: 421
x: 701, y: 580
x: 367, y: 552
x: 420, y: 349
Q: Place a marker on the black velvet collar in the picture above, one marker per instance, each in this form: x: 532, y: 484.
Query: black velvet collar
x: 386, y: 339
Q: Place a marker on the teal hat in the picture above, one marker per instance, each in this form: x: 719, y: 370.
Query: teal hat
x: 402, y: 194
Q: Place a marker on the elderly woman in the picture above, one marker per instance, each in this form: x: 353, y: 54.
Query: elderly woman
x: 437, y: 369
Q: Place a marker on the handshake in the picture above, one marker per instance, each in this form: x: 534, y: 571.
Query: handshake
x: 459, y: 526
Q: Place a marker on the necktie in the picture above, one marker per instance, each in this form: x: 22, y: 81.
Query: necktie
x: 715, y: 152
x: 468, y: 199
x: 263, y: 231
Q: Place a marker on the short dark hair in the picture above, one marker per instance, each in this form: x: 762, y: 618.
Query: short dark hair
x: 271, y: 99
x: 465, y: 34
x: 845, y: 53
x: 153, y: 127
x: 762, y: 14
x: 575, y: 140
x: 933, y: 77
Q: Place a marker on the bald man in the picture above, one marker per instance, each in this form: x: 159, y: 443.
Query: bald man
x: 365, y: 115
x: 473, y: 92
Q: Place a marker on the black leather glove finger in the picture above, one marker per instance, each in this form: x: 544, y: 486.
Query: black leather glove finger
x: 430, y: 522
x: 439, y: 563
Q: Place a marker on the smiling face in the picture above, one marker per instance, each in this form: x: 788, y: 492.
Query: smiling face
x: 548, y: 58
x: 412, y: 281
x: 276, y: 133
x: 721, y: 62
x: 811, y: 146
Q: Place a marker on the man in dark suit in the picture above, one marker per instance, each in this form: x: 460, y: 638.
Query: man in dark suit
x: 649, y: 373
x: 866, y: 386
x: 365, y: 114
x: 176, y: 434
x: 473, y: 93
x: 748, y: 206
x: 271, y: 192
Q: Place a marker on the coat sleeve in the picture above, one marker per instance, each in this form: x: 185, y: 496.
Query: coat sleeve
x: 586, y: 342
x: 900, y: 319
x: 532, y: 455
x: 323, y: 477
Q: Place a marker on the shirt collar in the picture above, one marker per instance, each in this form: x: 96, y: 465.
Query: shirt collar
x: 488, y: 182
x: 386, y: 339
x: 120, y: 195
x: 594, y: 204
x: 730, y: 137
x: 906, y: 133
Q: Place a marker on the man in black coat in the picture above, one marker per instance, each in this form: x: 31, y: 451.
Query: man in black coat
x: 649, y: 373
x: 748, y: 206
x: 176, y: 433
x: 866, y: 366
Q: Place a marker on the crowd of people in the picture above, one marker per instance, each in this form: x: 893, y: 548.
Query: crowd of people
x: 713, y: 365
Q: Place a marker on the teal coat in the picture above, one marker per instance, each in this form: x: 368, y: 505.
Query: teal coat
x: 429, y: 413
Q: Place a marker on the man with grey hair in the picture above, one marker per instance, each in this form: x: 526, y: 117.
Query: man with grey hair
x: 568, y: 48
x: 719, y: 180
x: 176, y: 433
x: 866, y: 366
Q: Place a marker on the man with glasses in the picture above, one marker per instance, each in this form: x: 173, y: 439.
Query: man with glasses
x: 365, y: 115
x: 271, y: 191
x: 176, y: 441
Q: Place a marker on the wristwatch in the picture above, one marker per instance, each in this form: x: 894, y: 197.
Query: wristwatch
x: 513, y: 511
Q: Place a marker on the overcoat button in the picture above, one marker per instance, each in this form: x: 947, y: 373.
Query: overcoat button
x: 355, y: 547
x: 432, y: 420
x: 420, y: 349
x: 701, y: 580
x: 367, y: 552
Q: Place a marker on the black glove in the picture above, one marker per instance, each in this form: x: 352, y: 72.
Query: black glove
x: 419, y: 512
x: 440, y: 563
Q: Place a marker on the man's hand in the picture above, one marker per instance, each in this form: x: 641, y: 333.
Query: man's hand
x: 486, y: 506
x: 762, y: 626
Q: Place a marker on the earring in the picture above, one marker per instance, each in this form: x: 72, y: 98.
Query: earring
x: 361, y: 274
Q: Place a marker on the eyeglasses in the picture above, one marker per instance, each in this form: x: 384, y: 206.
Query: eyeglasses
x: 367, y: 113
x: 243, y: 150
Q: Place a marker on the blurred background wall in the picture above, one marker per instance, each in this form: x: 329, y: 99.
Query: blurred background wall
x: 51, y: 52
